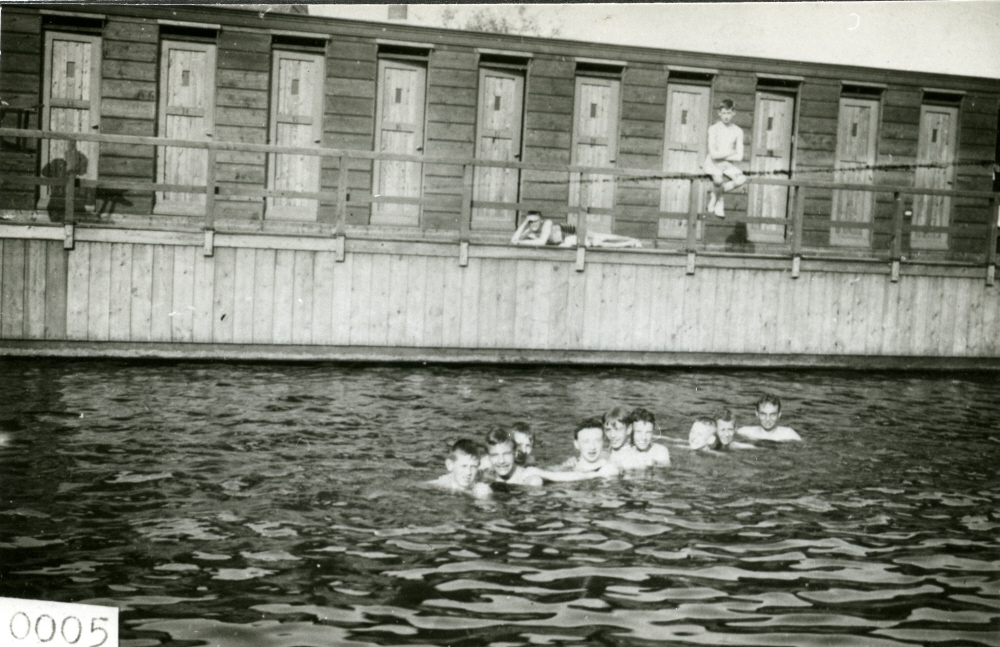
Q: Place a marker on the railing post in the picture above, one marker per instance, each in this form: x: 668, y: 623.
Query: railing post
x: 798, y: 219
x: 465, y: 219
x: 209, y: 202
x: 991, y: 252
x: 583, y: 211
x: 341, y: 226
x: 692, y: 223
x: 69, y: 196
x: 897, y: 235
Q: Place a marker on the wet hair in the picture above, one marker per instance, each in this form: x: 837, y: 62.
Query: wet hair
x: 521, y: 428
x: 616, y: 413
x: 589, y: 423
x: 768, y: 398
x: 640, y: 415
x: 464, y: 446
x: 705, y: 420
x: 499, y: 436
x: 727, y: 104
x: 725, y: 415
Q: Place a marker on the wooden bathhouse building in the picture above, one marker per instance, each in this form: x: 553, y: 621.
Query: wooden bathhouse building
x: 225, y: 182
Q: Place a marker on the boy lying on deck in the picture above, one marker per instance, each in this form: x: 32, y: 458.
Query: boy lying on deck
x: 539, y: 232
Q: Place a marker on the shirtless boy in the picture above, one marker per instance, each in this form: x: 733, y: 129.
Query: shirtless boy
x: 643, y: 452
x: 768, y: 413
x: 463, y: 467
x: 702, y: 436
x: 524, y: 441
x: 502, y: 460
x: 725, y: 430
x: 588, y: 439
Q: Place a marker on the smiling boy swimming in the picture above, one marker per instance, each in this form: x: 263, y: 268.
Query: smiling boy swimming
x: 768, y: 411
x: 463, y: 468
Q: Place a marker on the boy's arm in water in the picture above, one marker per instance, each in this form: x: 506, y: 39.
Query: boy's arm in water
x: 660, y: 454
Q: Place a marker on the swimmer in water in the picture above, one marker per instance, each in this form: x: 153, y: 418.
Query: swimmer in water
x: 725, y: 430
x: 524, y: 439
x: 644, y: 452
x: 588, y: 439
x: 463, y: 468
x: 702, y: 435
x: 768, y: 412
x: 503, y: 467
x: 617, y: 434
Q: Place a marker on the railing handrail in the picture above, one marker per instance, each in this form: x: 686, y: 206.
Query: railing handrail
x: 635, y: 173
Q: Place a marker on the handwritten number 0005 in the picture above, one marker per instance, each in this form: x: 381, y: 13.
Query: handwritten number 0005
x: 49, y: 627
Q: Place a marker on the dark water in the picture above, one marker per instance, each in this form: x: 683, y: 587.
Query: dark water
x: 279, y: 506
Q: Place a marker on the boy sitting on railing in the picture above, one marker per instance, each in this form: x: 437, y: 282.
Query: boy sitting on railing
x: 725, y: 150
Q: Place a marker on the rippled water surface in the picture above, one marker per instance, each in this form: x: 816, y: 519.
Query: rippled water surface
x: 280, y: 506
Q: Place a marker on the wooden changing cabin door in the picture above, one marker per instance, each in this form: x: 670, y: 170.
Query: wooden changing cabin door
x: 187, y: 104
x: 71, y: 103
x: 400, y: 130
x: 684, y: 149
x: 935, y: 170
x: 296, y: 120
x: 771, y: 158
x: 498, y: 137
x: 856, y: 137
x: 595, y: 143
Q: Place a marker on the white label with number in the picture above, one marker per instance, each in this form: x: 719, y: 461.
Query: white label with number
x: 36, y: 623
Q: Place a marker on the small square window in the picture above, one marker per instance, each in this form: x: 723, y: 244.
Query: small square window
x: 593, y: 111
x: 399, y: 95
x: 496, y: 103
x: 684, y: 117
x: 70, y: 69
x: 186, y: 78
x: 295, y: 86
x: 854, y: 129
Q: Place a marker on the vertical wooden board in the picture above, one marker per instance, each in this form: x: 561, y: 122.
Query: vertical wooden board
x: 688, y: 328
x: 340, y: 327
x: 717, y: 335
x: 903, y: 340
x: 559, y: 306
x: 1, y: 285
x: 974, y: 320
x: 224, y: 295
x: 434, y: 301
x: 264, y: 302
x: 77, y: 290
x: 416, y: 298
x: 947, y: 300
x: 394, y: 276
x: 99, y: 304
x: 626, y: 308
x: 380, y: 305
x: 120, y: 323
x: 488, y: 300
x: 283, y: 302
x: 828, y: 343
x: 960, y: 326
x: 507, y: 298
x: 810, y: 322
x: 576, y: 303
x: 182, y: 316
x: 523, y: 276
x: 590, y: 338
x: 163, y: 301
x: 12, y: 298
x: 141, y: 296
x: 874, y: 312
x: 542, y: 305
x: 643, y: 307
x: 470, y: 311
x: 889, y: 326
x: 322, y: 317
x: 676, y: 282
x: 302, y: 297
x: 795, y: 314
x: 55, y: 290
x: 845, y: 311
x: 766, y: 301
x: 361, y: 297
x: 452, y: 303
x: 990, y: 335
x: 930, y: 296
x: 920, y: 316
x: 860, y: 313
x: 742, y: 310
x: 610, y: 317
x: 243, y: 295
x: 34, y: 289
x: 204, y: 298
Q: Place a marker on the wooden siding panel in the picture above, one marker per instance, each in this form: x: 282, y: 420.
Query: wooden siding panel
x: 99, y: 302
x: 488, y: 292
x: 379, y: 305
x: 558, y: 325
x: 224, y: 295
x: 284, y: 296
x: 590, y: 338
x: 506, y: 314
x: 34, y: 289
x: 451, y: 312
x: 55, y: 291
x: 361, y: 293
x: 120, y: 322
x: 77, y: 290
x: 243, y: 299
x: 264, y: 302
x: 470, y: 312
x: 974, y: 321
x: 576, y: 315
x: 542, y: 312
x: 955, y: 340
x: 204, y: 298
x: 302, y: 305
x: 322, y: 314
x: 141, y: 293
x: 416, y: 301
x: 182, y: 316
x: 398, y: 307
x: 523, y: 277
x: 435, y: 296
x: 162, y: 293
x: 12, y: 298
x: 342, y: 285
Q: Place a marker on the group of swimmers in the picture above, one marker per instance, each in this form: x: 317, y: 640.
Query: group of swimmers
x: 619, y: 442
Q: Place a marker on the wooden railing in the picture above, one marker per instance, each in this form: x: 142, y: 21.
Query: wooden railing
x: 344, y: 197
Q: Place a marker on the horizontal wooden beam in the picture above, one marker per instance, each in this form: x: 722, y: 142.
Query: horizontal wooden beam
x: 298, y: 353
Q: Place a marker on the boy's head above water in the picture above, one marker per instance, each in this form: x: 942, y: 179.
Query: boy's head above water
x: 727, y: 110
x: 500, y: 447
x: 642, y: 426
x: 725, y: 427
x: 702, y: 435
x: 463, y: 463
x: 524, y: 441
x: 768, y: 411
x: 589, y: 439
x: 616, y: 428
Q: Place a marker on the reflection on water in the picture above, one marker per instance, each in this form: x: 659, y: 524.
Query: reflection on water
x: 279, y: 506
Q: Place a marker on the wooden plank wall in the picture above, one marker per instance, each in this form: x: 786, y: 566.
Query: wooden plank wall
x: 173, y: 293
x: 20, y: 75
x: 548, y: 116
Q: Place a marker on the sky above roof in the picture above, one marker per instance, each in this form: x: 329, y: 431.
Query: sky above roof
x: 953, y: 37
